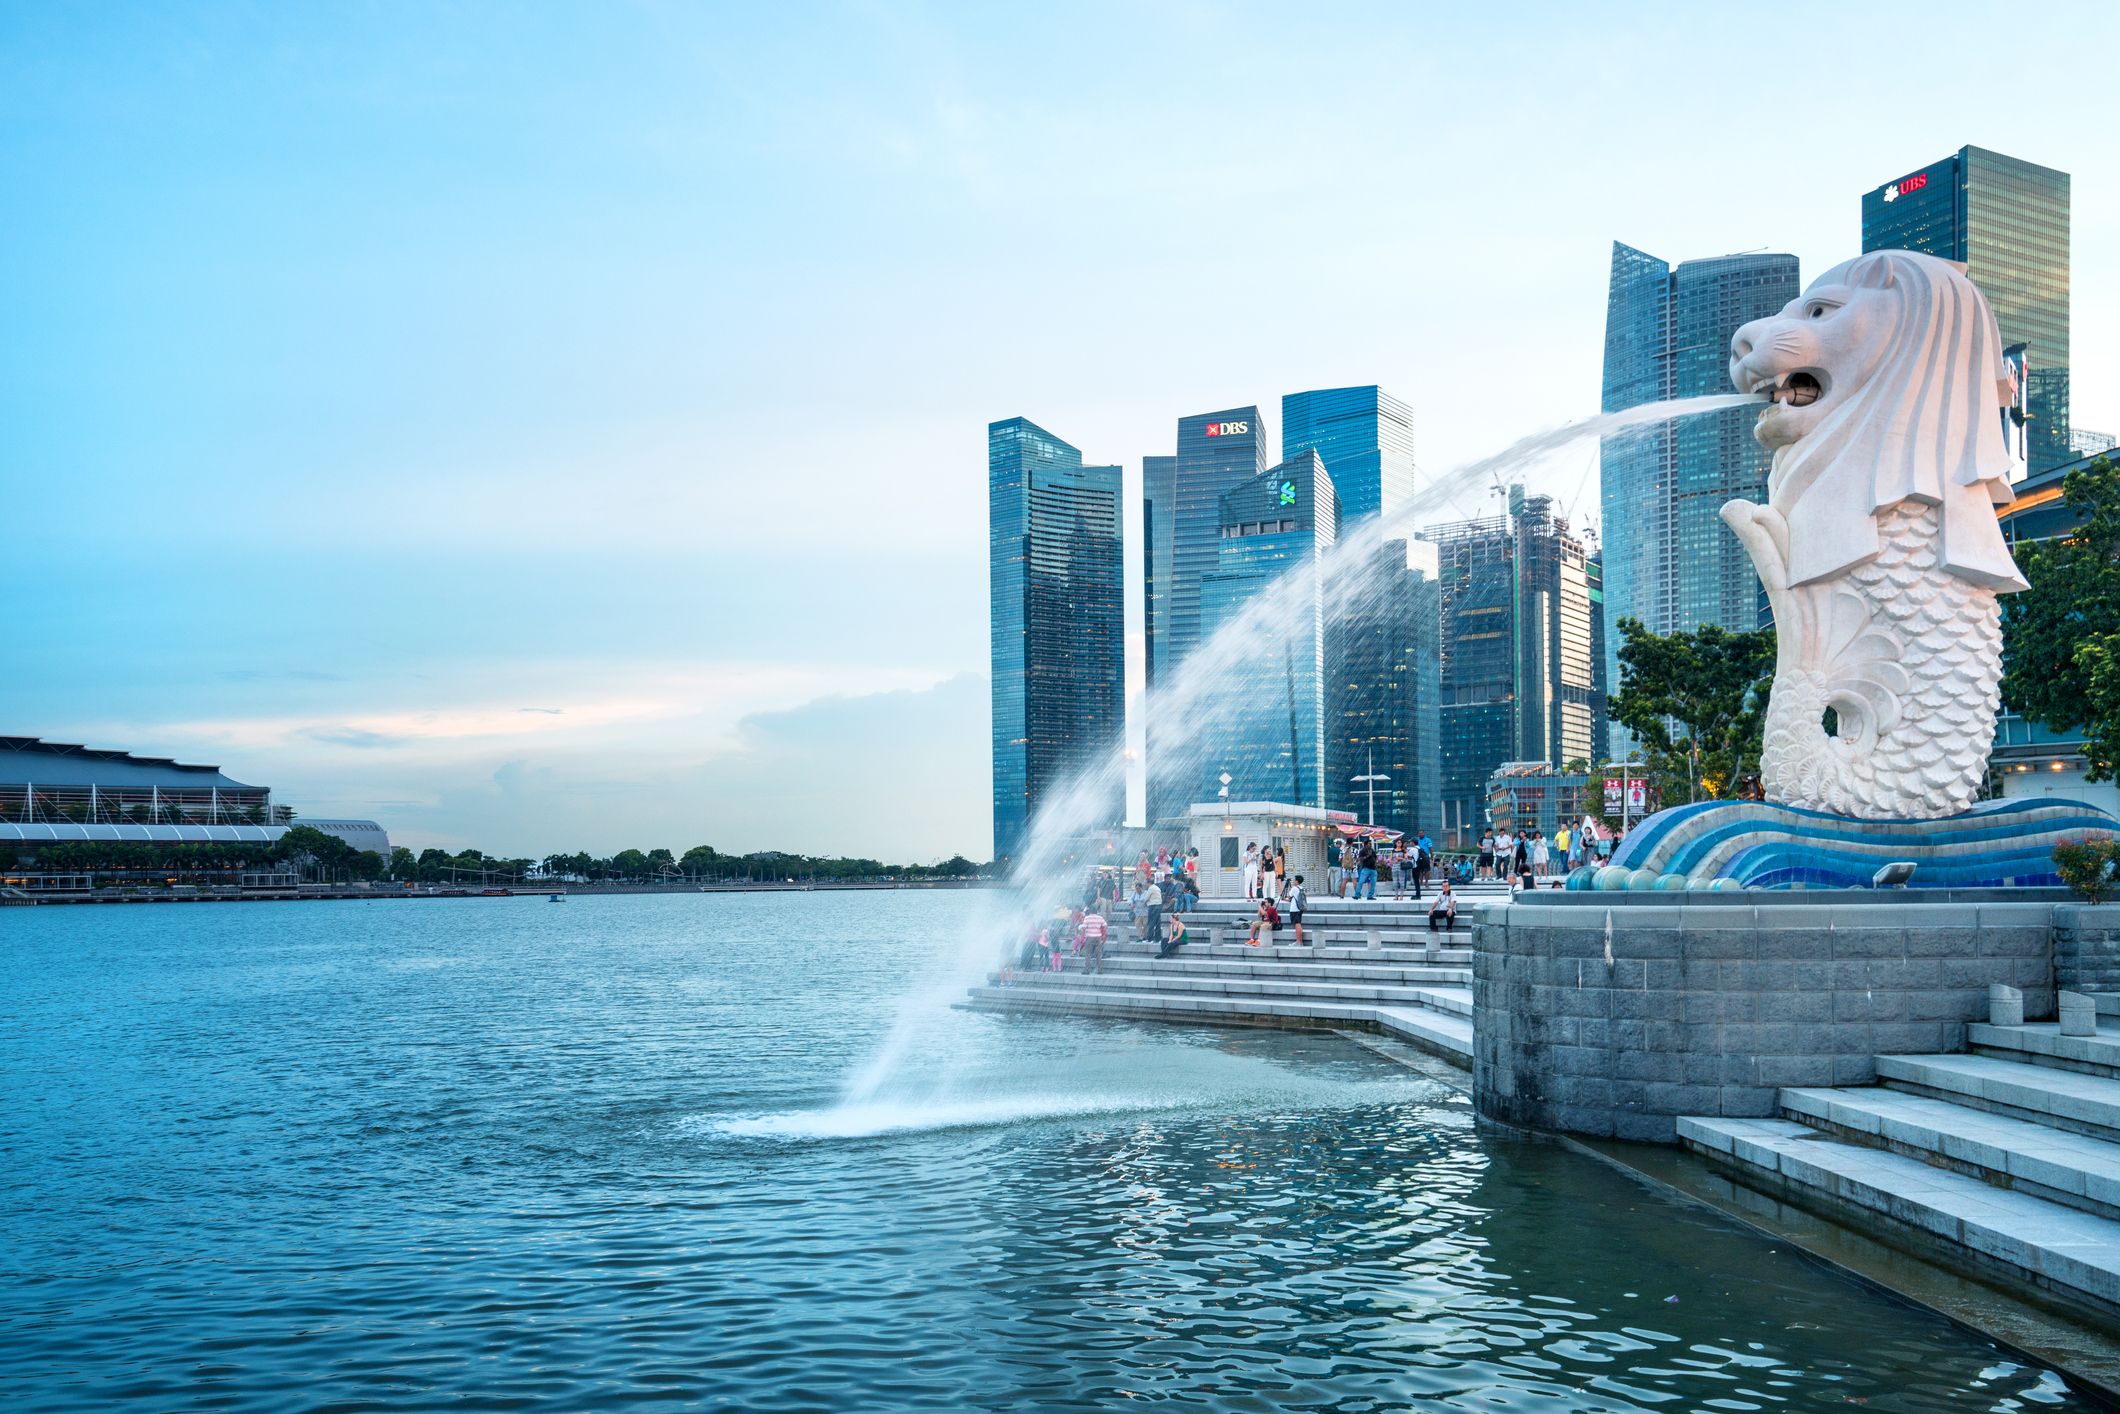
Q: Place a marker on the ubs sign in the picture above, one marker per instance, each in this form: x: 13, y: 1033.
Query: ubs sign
x: 1228, y: 429
x: 1906, y: 186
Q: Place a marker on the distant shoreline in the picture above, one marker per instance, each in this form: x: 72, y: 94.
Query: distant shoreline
x: 341, y: 892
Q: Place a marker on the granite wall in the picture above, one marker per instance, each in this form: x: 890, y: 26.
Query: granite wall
x: 1709, y: 1009
x: 2087, y: 947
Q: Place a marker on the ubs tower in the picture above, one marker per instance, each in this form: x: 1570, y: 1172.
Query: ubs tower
x: 1265, y: 721
x: 2007, y: 221
x: 1668, y: 558
x: 1056, y: 573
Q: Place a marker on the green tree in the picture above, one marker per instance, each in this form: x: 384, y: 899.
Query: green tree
x: 1710, y: 682
x: 2061, y: 637
x: 629, y: 864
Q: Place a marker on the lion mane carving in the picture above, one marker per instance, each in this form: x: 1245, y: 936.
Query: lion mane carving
x: 1879, y: 546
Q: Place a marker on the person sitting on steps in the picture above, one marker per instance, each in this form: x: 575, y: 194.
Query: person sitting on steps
x: 1269, y: 919
x: 1444, y: 907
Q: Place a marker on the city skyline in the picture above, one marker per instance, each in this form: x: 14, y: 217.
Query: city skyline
x: 550, y: 461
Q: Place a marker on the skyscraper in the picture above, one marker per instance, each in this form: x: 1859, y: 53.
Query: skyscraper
x: 1269, y: 729
x: 1216, y: 451
x: 1365, y: 437
x: 1159, y: 524
x: 2007, y: 220
x: 1056, y: 577
x: 1523, y: 674
x: 1668, y: 558
x: 1384, y: 656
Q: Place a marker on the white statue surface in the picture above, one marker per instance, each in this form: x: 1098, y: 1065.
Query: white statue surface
x: 1879, y: 545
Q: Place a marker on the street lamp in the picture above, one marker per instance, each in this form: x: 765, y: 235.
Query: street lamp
x: 1371, y: 779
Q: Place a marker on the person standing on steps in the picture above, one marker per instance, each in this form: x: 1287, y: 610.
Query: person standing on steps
x: 1093, y: 934
x: 1251, y: 871
x: 1423, y: 861
x: 1486, y: 855
x: 1366, y: 875
x: 1153, y: 927
x: 1280, y: 874
x: 1295, y: 909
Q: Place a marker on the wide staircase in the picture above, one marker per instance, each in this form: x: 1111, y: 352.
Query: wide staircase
x: 1364, y: 965
x: 2010, y: 1152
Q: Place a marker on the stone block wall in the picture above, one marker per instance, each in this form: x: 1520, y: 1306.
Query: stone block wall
x: 2087, y: 947
x: 1711, y: 1010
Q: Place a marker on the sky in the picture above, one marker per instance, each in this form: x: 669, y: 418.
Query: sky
x: 562, y: 427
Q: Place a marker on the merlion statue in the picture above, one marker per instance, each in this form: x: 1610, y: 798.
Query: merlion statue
x: 1878, y: 544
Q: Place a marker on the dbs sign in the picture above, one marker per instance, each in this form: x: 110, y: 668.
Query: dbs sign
x: 1228, y: 429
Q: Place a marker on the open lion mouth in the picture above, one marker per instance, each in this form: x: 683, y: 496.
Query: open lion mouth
x: 1799, y: 388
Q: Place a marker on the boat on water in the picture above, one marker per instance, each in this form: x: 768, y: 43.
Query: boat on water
x: 560, y: 897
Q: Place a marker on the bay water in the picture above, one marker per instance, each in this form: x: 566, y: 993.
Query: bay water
x: 505, y: 1153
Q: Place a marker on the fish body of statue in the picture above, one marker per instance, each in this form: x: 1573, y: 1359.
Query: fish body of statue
x: 1879, y: 545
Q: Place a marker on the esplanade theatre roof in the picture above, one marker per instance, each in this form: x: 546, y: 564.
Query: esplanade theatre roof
x: 27, y: 760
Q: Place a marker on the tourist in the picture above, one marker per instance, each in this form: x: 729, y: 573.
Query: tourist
x: 1093, y: 935
x: 1400, y: 868
x: 1267, y: 920
x: 1423, y: 861
x: 1189, y: 892
x: 1504, y: 854
x: 1280, y: 872
x: 1520, y: 866
x: 1486, y: 855
x: 1175, y: 937
x: 1142, y: 869
x: 1444, y: 908
x: 1333, y: 871
x: 1251, y: 871
x: 1540, y: 853
x: 1153, y: 925
x: 1561, y: 841
x: 1366, y: 872
x: 1295, y: 909
x: 1137, y: 908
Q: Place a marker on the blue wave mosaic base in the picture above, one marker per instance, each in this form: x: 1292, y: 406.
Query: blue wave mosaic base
x: 1747, y: 844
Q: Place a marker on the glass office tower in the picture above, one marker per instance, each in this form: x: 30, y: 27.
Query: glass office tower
x: 1159, y: 523
x: 1668, y: 558
x: 1365, y: 437
x: 1523, y: 675
x: 1056, y: 577
x: 1383, y: 652
x: 1217, y: 451
x: 2007, y: 220
x: 1267, y: 726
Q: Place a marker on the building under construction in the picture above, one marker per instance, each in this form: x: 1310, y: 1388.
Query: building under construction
x: 1523, y: 670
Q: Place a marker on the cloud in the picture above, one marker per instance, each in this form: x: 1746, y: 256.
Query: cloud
x: 355, y: 737
x: 547, y: 711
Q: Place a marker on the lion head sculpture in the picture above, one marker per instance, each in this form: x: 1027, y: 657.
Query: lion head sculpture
x: 1887, y: 384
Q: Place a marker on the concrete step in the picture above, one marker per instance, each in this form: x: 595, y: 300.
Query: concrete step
x: 2070, y: 1169
x: 2021, y: 1236
x: 1186, y: 965
x: 1456, y: 1000
x: 1317, y: 936
x: 2042, y: 1043
x: 2059, y: 1099
x: 1441, y: 1034
x: 1289, y: 952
